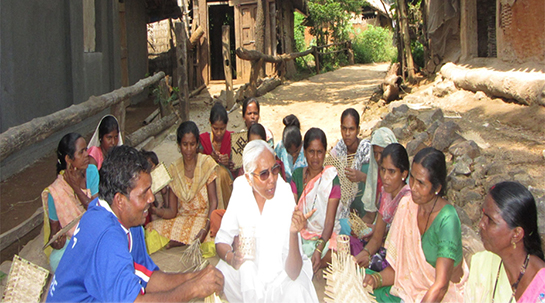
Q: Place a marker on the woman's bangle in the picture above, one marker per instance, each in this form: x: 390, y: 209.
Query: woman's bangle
x: 369, y: 253
x: 225, y: 257
x: 318, y: 250
x: 378, y: 279
x: 319, y: 241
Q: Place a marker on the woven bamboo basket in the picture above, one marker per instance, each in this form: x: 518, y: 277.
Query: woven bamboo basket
x: 26, y: 281
x: 349, y: 189
x: 359, y: 227
x: 343, y: 244
x: 344, y: 281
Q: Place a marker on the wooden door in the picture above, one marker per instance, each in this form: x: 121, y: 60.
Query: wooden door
x: 247, y: 13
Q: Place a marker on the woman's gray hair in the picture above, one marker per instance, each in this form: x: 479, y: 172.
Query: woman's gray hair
x: 251, y: 153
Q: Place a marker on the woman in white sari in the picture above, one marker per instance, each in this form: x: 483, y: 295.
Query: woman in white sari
x: 277, y: 271
x: 318, y: 187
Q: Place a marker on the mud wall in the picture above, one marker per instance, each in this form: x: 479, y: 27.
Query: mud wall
x: 44, y: 68
x: 521, y: 30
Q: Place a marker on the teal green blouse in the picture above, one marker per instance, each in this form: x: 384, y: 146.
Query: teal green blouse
x: 444, y: 237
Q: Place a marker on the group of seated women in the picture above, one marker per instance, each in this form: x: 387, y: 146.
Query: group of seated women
x: 410, y: 241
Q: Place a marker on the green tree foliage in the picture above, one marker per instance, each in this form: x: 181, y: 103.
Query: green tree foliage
x: 329, y: 19
x: 300, y: 45
x: 299, y: 31
x: 374, y: 45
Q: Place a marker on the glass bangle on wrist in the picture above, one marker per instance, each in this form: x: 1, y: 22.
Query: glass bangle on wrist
x: 369, y: 253
x: 225, y: 257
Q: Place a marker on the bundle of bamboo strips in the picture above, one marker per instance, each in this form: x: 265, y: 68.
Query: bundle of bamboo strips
x: 344, y: 281
x: 192, y: 261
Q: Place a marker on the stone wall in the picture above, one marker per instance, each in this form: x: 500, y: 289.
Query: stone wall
x: 470, y: 171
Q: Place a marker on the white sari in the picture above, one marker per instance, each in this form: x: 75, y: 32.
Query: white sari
x: 263, y: 279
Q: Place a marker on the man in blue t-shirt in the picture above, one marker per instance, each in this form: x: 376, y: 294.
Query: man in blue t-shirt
x: 106, y: 259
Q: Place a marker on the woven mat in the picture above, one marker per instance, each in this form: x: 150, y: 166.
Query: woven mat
x: 26, y: 281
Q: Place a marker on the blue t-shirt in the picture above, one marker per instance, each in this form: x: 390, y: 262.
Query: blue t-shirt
x: 103, y: 262
x: 92, y: 178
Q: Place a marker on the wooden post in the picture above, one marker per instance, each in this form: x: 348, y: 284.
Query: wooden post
x: 118, y: 110
x: 402, y: 6
x: 254, y: 74
x: 316, y: 54
x: 260, y: 25
x: 226, y: 50
x: 181, y: 68
x: 350, y: 52
x: 164, y: 94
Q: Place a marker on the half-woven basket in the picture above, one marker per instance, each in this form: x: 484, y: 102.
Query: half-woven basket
x: 26, y: 281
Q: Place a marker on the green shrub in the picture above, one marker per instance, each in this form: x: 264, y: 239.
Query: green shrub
x: 300, y: 45
x: 418, y: 53
x: 374, y: 45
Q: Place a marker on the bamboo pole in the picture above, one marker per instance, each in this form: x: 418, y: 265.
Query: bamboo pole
x: 36, y: 130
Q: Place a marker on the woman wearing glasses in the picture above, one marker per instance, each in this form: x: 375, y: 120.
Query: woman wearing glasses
x: 318, y: 187
x: 192, y: 197
x: 258, y: 241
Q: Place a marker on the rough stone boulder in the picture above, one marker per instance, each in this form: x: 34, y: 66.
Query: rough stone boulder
x: 469, y: 148
x: 445, y: 134
x: 428, y: 117
x: 414, y: 146
x: 459, y: 182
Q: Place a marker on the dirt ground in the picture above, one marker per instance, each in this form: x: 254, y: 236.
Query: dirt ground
x: 508, y: 133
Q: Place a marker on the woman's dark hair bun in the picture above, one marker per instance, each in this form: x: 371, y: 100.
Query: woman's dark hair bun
x: 291, y: 120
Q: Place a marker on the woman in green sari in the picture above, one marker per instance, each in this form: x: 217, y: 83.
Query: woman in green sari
x: 424, y: 245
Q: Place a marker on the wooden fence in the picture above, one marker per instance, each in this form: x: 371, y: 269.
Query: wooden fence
x: 38, y: 129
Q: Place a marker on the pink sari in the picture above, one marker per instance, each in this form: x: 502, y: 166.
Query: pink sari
x: 413, y: 274
x: 535, y: 292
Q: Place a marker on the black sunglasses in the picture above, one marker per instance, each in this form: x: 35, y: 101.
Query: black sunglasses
x: 265, y: 174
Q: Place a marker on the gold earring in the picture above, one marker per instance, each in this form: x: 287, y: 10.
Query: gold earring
x: 514, y: 245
